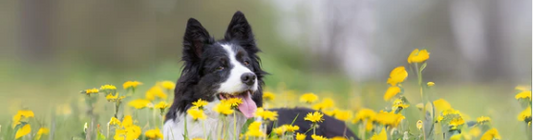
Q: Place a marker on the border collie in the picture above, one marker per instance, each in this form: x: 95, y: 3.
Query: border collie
x: 227, y: 68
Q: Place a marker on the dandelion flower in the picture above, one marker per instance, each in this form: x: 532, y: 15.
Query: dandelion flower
x: 154, y: 92
x: 114, y: 121
x: 399, y: 104
x: 21, y: 114
x: 162, y: 105
x: 223, y: 108
x: 418, y: 56
x: 525, y: 115
x: 397, y: 75
x: 280, y: 130
x: 391, y: 92
x: 364, y: 114
x: 234, y: 102
x: 131, y: 84
x: 491, y: 134
x: 314, y: 117
x: 308, y: 98
x: 300, y: 136
x: 381, y: 136
x: 389, y: 118
x: 153, y: 134
x: 325, y: 104
x: 169, y: 85
x: 483, y: 119
x: 196, y: 114
x: 91, y: 91
x: 456, y: 123
x: 112, y: 98
x: 254, y: 130
x: 25, y: 130
x: 317, y: 137
x: 474, y: 131
x: 42, y: 131
x: 199, y: 138
x: 524, y: 95
x: 140, y: 103
x: 430, y: 84
x: 268, y: 96
x: 108, y: 87
x: 200, y: 103
x: 343, y: 115
x: 266, y: 114
x: 292, y: 128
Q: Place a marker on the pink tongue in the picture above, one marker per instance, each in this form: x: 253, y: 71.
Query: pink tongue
x: 247, y: 107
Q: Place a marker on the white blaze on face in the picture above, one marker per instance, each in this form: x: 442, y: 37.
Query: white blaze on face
x: 234, y: 84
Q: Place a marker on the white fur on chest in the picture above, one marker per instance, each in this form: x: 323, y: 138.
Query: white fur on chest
x: 212, y: 126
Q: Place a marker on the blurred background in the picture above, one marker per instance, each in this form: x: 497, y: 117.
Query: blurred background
x: 480, y: 49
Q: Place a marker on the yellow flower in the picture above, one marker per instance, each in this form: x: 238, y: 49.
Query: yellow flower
x: 280, y: 130
x: 154, y: 92
x: 127, y: 122
x: 369, y: 126
x: 483, y: 119
x: 140, y: 103
x: 223, y: 108
x: 456, y: 123
x: 397, y: 75
x: 169, y: 85
x: 314, y: 117
x: 308, y: 98
x: 491, y: 134
x: 419, y: 124
x: 266, y: 114
x: 131, y: 84
x: 292, y: 128
x: 112, y: 98
x: 162, y: 105
x: 430, y: 84
x: 199, y: 138
x: 254, y: 130
x: 524, y: 95
x: 21, y: 114
x: 25, y: 130
x: 475, y: 131
x: 364, y: 114
x: 343, y: 115
x: 391, y: 92
x: 108, y: 87
x: 325, y: 104
x: 153, y: 134
x: 399, y: 104
x: 300, y: 136
x: 451, y: 111
x: 42, y: 131
x: 441, y: 105
x: 525, y: 115
x: 234, y: 102
x: 338, y: 138
x: 440, y: 118
x: 317, y: 137
x: 196, y: 114
x: 91, y: 91
x: 114, y: 121
x: 418, y: 56
x: 268, y: 96
x: 200, y: 103
x: 389, y: 118
x: 381, y: 136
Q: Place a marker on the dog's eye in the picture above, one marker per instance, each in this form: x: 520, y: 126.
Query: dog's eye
x: 220, y: 68
x: 246, y: 63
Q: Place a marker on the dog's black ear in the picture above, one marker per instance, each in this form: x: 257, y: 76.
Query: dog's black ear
x: 239, y: 29
x: 196, y: 37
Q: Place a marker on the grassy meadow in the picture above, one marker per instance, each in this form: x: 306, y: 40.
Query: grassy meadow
x: 114, y: 105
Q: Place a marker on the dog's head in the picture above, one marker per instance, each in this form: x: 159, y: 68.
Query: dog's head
x: 215, y: 70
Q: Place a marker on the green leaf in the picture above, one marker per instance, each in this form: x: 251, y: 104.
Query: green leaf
x: 245, y: 126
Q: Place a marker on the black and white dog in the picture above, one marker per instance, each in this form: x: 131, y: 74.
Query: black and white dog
x: 227, y: 68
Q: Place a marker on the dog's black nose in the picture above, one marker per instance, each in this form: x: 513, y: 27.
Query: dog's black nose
x: 248, y: 78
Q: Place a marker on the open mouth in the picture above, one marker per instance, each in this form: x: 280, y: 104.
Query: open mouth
x: 247, y: 107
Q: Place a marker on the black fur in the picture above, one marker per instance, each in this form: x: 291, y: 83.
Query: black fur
x: 202, y: 55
